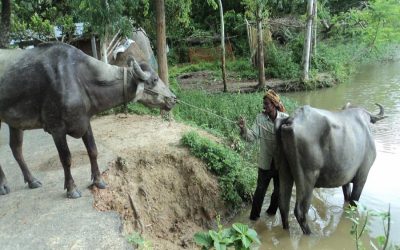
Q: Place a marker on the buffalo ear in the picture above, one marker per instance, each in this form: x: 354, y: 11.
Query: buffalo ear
x: 139, y: 92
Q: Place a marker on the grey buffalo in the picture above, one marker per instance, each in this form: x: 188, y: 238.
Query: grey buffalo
x: 319, y: 148
x: 58, y: 88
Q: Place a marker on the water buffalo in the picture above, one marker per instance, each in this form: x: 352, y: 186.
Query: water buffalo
x: 58, y: 88
x: 319, y: 148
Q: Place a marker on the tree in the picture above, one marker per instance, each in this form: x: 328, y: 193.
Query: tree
x: 222, y: 32
x: 5, y: 23
x: 256, y: 9
x: 307, y: 41
x: 221, y: 13
x: 161, y: 41
x: 260, y: 48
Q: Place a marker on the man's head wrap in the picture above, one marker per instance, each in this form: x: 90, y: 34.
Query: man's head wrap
x: 274, y: 98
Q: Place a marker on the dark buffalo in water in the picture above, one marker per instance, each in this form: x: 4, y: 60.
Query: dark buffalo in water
x: 319, y: 148
x: 58, y: 88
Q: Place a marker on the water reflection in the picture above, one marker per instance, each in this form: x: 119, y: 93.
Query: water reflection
x: 378, y: 83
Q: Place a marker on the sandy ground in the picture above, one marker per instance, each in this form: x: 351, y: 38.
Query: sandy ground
x: 154, y: 187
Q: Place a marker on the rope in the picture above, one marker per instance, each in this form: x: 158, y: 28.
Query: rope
x: 201, y: 109
x: 207, y: 111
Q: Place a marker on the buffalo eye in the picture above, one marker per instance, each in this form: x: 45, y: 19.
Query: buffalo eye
x: 155, y: 80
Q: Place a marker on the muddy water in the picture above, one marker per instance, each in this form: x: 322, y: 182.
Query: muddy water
x: 331, y: 230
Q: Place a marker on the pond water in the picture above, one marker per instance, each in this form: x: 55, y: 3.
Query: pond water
x: 374, y: 83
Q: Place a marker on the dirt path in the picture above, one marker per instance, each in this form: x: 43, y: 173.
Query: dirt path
x: 173, y: 194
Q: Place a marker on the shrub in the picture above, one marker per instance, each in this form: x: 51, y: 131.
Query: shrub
x: 236, y: 177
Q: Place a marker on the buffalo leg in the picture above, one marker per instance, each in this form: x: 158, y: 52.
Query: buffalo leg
x: 16, y: 140
x: 65, y: 157
x: 91, y: 148
x: 304, y: 190
x: 358, y: 186
x: 4, y: 189
x: 285, y: 193
x: 346, y: 192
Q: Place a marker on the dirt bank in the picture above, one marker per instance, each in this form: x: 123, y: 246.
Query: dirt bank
x: 156, y: 186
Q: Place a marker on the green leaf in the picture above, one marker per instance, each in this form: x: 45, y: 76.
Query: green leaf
x: 219, y: 246
x: 214, y: 235
x: 381, y: 240
x: 253, y: 235
x: 241, y: 228
x: 355, y: 220
x: 226, y: 233
x: 203, y: 239
x: 245, y: 241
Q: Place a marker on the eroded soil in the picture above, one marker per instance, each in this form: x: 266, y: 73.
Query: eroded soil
x: 156, y: 186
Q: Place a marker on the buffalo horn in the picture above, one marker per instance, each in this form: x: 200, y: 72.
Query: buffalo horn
x: 139, y: 72
x: 380, y: 115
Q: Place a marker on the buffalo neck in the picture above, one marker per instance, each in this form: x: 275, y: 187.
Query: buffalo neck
x: 105, y: 88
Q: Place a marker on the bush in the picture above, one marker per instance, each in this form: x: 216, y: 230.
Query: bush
x: 236, y: 177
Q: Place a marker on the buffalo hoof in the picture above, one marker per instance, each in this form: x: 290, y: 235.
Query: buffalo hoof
x: 4, y: 189
x: 74, y: 193
x: 100, y: 184
x: 306, y: 230
x: 35, y: 183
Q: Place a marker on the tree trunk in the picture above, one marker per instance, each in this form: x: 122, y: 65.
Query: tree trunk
x: 221, y: 13
x: 5, y: 23
x: 94, y: 47
x: 314, y: 24
x: 161, y: 41
x: 260, y: 49
x: 307, y: 42
x: 103, y: 42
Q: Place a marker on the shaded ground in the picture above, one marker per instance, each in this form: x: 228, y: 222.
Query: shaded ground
x: 173, y: 195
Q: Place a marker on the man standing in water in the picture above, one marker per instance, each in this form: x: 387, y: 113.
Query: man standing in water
x: 263, y: 130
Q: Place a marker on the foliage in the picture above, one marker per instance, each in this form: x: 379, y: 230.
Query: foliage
x: 101, y: 16
x: 280, y: 63
x: 239, y: 236
x: 33, y: 19
x: 235, y: 30
x: 237, y: 178
x: 360, y: 217
x: 139, y: 242
x: 374, y: 25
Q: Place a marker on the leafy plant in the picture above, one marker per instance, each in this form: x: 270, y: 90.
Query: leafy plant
x: 239, y: 236
x: 360, y: 217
